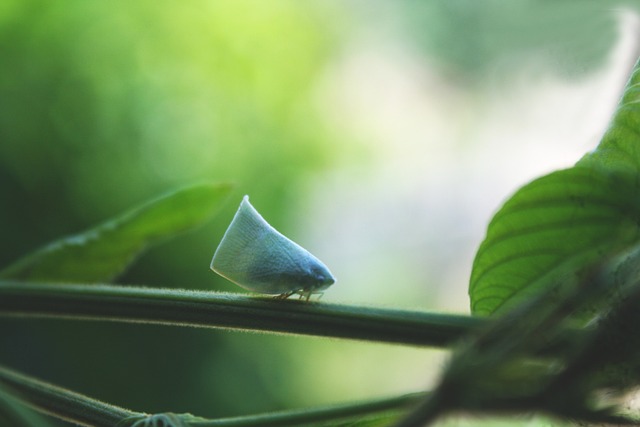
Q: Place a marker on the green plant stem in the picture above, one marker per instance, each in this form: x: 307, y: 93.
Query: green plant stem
x: 15, y: 414
x: 232, y: 311
x: 393, y: 407
x: 86, y: 411
x: 61, y: 403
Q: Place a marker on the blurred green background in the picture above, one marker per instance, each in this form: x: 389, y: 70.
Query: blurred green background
x: 380, y: 135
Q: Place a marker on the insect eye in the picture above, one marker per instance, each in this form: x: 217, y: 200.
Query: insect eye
x: 322, y: 276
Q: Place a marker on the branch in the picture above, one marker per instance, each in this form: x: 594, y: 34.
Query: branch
x: 61, y: 403
x: 86, y: 411
x: 232, y: 311
x: 389, y: 409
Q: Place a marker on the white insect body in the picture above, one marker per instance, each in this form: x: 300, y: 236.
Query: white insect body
x: 257, y: 257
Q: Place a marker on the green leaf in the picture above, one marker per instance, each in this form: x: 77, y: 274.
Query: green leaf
x: 619, y: 148
x: 103, y: 252
x: 559, y: 225
x: 549, y: 230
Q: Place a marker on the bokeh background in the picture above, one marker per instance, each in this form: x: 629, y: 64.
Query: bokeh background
x: 381, y: 135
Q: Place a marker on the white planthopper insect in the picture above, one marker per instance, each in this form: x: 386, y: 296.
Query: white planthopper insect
x: 257, y: 257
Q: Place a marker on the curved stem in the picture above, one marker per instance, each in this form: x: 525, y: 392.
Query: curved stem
x: 61, y: 403
x: 232, y: 311
x: 15, y: 414
x: 389, y: 409
x: 83, y: 410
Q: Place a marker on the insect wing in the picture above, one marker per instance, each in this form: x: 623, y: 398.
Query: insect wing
x: 257, y: 257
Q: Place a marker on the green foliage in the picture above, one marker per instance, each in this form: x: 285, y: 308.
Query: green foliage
x: 177, y: 92
x: 563, y: 246
x: 104, y: 105
x: 195, y: 90
x: 494, y: 371
x: 103, y: 252
x: 559, y: 225
x: 549, y: 231
x: 619, y: 149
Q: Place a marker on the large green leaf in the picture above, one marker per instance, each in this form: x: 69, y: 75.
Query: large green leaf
x: 550, y: 229
x: 557, y: 226
x: 103, y: 252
